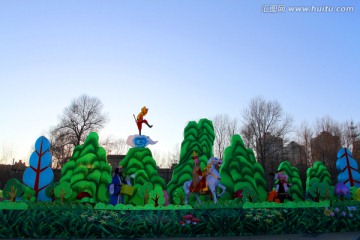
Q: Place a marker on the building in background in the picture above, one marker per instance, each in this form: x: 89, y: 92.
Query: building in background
x: 114, y: 160
x: 356, y: 151
x: 324, y: 148
x: 273, y: 157
x: 295, y: 154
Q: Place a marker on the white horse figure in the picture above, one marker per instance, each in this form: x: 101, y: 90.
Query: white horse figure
x: 212, y: 181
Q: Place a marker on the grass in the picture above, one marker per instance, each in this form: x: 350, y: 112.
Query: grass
x: 92, y: 223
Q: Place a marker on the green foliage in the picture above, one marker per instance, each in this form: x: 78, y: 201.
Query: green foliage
x: 57, y: 205
x: 198, y: 137
x: 179, y: 196
x: 156, y: 197
x: 50, y: 190
x: 88, y: 170
x: 240, y: 170
x: 318, y: 171
x: 122, y: 207
x: 287, y: 204
x: 29, y: 194
x: 13, y: 205
x: 63, y: 191
x: 56, y: 221
x: 345, y: 203
x: 13, y: 189
x: 320, y: 191
x: 143, y: 192
x: 355, y: 193
x: 221, y: 204
x: 136, y: 200
x: 139, y: 161
x: 293, y: 174
x: 249, y: 194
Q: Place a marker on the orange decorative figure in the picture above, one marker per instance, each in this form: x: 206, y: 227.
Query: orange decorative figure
x: 199, y: 177
x: 140, y: 119
x: 196, y: 174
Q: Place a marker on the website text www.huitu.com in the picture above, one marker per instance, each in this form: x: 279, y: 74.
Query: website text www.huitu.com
x: 281, y: 8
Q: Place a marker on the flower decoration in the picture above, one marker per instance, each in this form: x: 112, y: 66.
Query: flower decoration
x: 327, y: 212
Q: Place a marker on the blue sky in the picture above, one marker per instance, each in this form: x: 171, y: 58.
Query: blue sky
x: 185, y: 60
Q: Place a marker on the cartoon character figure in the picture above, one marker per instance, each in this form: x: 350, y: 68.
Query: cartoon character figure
x: 140, y: 119
x: 115, y: 187
x: 282, y: 186
x: 281, y: 180
x: 198, y: 175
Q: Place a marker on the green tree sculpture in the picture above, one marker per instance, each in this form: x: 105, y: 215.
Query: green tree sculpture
x: 199, y: 138
x: 29, y: 194
x: 63, y: 191
x: 294, y: 179
x: 50, y: 190
x: 139, y: 161
x: 249, y: 194
x: 319, y: 172
x: 88, y: 170
x: 144, y: 191
x: 156, y: 197
x: 13, y: 189
x: 320, y: 191
x: 355, y: 193
x: 178, y: 196
x: 240, y: 170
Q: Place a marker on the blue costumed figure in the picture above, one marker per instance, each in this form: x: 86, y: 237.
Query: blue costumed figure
x: 115, y: 187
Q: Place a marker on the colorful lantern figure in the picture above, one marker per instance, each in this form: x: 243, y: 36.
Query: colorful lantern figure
x: 282, y: 186
x: 281, y: 180
x: 140, y: 119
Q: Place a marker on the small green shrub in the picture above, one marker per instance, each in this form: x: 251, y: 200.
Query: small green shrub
x: 13, y: 205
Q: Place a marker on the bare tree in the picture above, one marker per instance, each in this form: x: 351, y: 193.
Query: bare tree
x: 233, y: 127
x: 224, y: 128
x: 61, y: 149
x: 349, y: 133
x: 355, y: 139
x: 263, y: 119
x: 327, y: 124
x: 265, y: 127
x: 166, y: 159
x: 83, y: 116
x: 304, y: 136
x: 7, y: 155
x: 115, y: 146
x: 175, y: 155
x: 160, y: 158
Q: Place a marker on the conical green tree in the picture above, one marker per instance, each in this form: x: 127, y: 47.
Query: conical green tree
x: 139, y: 161
x: 319, y: 172
x: 240, y: 170
x: 293, y: 173
x: 198, y: 137
x: 88, y: 170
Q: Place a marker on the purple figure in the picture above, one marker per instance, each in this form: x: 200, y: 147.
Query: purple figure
x: 282, y: 186
x: 282, y: 179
